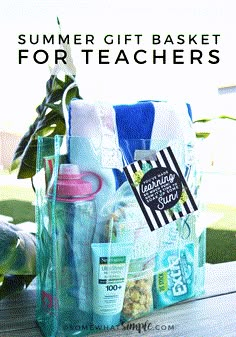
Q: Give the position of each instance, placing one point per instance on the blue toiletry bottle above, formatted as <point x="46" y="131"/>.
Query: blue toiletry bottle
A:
<point x="75" y="223"/>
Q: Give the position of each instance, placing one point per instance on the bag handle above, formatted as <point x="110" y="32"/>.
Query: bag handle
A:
<point x="64" y="107"/>
<point x="110" y="152"/>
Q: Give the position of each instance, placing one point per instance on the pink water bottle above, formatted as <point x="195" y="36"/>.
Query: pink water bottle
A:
<point x="75" y="212"/>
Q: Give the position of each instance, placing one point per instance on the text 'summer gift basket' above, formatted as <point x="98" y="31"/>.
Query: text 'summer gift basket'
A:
<point x="117" y="215"/>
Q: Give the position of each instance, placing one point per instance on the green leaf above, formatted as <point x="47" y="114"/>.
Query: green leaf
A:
<point x="15" y="164"/>
<point x="50" y="118"/>
<point x="49" y="122"/>
<point x="14" y="283"/>
<point x="25" y="140"/>
<point x="227" y="117"/>
<point x="17" y="251"/>
<point x="53" y="124"/>
<point x="202" y="134"/>
<point x="203" y="120"/>
<point x="55" y="107"/>
<point x="72" y="93"/>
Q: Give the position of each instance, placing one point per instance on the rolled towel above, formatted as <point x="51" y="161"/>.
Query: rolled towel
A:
<point x="93" y="145"/>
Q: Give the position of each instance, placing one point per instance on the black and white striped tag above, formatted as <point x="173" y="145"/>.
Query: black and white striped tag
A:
<point x="160" y="189"/>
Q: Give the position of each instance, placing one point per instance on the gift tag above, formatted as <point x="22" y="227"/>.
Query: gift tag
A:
<point x="160" y="189"/>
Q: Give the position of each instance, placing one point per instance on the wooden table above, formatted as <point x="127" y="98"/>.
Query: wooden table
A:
<point x="212" y="315"/>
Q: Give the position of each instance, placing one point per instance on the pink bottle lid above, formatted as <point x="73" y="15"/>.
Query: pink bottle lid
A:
<point x="71" y="187"/>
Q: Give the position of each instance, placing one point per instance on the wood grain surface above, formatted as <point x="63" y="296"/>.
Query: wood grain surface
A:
<point x="211" y="315"/>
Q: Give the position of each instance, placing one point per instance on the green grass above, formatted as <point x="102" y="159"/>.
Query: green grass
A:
<point x="16" y="202"/>
<point x="221" y="236"/>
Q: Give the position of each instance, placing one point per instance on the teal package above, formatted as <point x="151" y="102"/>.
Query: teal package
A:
<point x="174" y="276"/>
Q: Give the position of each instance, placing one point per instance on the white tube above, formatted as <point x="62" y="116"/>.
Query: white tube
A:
<point x="110" y="269"/>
